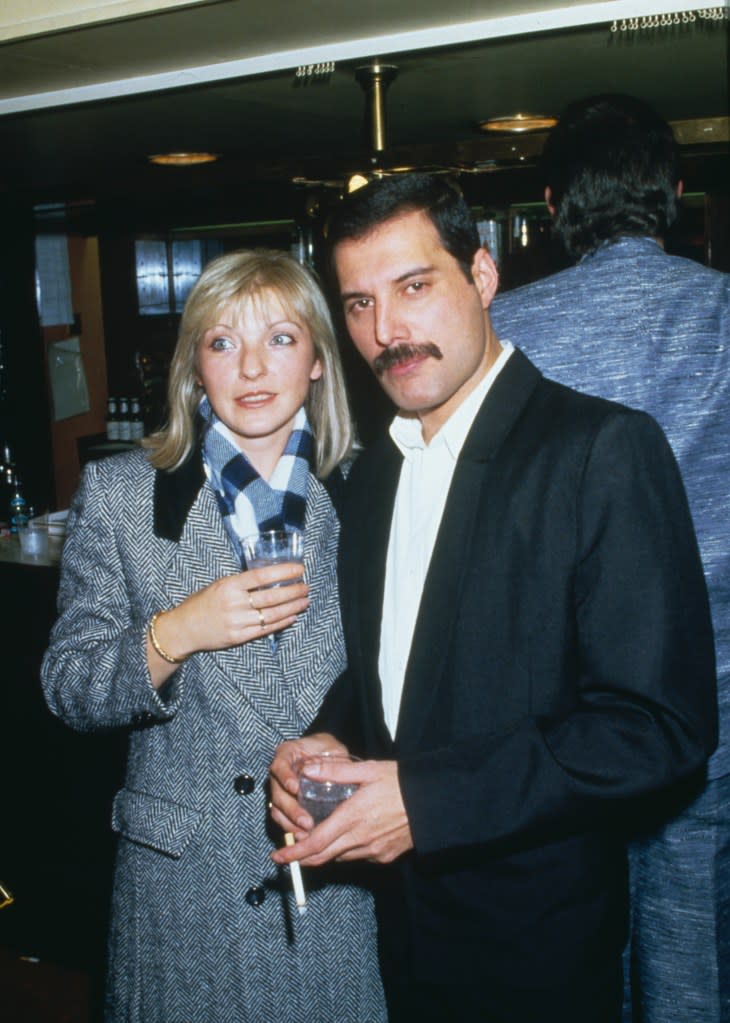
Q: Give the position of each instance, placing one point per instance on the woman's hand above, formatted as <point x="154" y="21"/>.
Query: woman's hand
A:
<point x="229" y="612"/>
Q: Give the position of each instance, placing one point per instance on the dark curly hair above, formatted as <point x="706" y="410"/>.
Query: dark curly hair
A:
<point x="612" y="165"/>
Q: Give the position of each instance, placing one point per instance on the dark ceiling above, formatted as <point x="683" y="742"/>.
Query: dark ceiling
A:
<point x="269" y="128"/>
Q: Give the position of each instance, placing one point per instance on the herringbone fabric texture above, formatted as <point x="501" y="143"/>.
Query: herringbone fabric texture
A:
<point x="204" y="926"/>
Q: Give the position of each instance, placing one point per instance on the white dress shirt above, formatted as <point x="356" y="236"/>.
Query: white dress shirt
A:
<point x="424" y="483"/>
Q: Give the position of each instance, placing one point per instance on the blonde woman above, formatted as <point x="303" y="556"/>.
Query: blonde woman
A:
<point x="163" y="631"/>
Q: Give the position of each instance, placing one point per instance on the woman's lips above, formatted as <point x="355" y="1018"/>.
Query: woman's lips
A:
<point x="256" y="399"/>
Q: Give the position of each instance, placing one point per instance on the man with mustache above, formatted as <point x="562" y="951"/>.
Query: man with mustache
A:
<point x="529" y="643"/>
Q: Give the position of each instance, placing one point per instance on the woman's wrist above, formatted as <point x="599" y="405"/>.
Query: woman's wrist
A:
<point x="162" y="648"/>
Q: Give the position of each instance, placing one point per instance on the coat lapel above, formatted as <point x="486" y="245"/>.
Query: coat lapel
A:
<point x="203" y="552"/>
<point x="457" y="543"/>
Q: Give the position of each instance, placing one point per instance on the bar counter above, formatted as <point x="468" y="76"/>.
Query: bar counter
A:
<point x="11" y="554"/>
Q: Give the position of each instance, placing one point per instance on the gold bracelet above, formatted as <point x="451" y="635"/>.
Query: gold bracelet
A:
<point x="156" y="643"/>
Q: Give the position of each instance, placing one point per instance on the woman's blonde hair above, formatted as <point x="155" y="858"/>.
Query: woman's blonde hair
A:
<point x="239" y="277"/>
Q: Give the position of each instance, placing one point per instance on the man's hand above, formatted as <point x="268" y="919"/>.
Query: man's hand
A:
<point x="285" y="809"/>
<point x="371" y="825"/>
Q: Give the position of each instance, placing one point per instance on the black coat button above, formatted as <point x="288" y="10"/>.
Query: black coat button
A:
<point x="255" y="896"/>
<point x="244" y="784"/>
<point x="143" y="719"/>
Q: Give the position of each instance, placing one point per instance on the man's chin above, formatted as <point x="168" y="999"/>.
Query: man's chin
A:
<point x="411" y="405"/>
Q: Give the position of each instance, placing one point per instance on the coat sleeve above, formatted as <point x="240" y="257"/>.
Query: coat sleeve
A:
<point x="641" y="707"/>
<point x="94" y="672"/>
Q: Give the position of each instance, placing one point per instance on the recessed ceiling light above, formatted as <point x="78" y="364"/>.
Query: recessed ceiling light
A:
<point x="519" y="122"/>
<point x="182" y="159"/>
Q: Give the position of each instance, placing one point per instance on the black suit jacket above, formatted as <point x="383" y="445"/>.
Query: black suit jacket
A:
<point x="562" y="665"/>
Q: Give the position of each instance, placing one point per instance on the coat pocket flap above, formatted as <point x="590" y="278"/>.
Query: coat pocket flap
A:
<point x="158" y="823"/>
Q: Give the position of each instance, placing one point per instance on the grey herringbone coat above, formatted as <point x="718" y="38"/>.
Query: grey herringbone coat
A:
<point x="203" y="927"/>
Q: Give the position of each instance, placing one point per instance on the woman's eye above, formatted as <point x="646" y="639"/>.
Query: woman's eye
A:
<point x="221" y="344"/>
<point x="282" y="339"/>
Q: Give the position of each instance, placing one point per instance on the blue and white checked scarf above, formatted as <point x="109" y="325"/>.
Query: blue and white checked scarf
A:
<point x="248" y="503"/>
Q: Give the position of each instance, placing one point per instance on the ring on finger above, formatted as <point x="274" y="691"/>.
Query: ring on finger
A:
<point x="250" y="601"/>
<point x="262" y="620"/>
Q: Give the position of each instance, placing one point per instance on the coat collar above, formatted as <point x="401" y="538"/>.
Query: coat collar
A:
<point x="626" y="246"/>
<point x="175" y="494"/>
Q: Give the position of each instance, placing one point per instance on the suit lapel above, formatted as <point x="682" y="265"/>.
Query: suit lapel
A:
<point x="457" y="543"/>
<point x="373" y="548"/>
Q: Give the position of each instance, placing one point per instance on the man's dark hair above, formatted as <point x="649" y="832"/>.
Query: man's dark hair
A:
<point x="438" y="197"/>
<point x="612" y="165"/>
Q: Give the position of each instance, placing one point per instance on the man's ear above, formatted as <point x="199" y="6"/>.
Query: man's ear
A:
<point x="549" y="200"/>
<point x="485" y="275"/>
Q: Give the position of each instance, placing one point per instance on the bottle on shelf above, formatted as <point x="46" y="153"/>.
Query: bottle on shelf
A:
<point x="137" y="424"/>
<point x="18" y="507"/>
<point x="125" y="423"/>
<point x="6" y="483"/>
<point x="8" y="465"/>
<point x="112" y="420"/>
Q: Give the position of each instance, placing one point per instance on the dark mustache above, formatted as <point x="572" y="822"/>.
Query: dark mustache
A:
<point x="402" y="353"/>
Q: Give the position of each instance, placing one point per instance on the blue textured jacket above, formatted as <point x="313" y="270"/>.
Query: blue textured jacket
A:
<point x="636" y="325"/>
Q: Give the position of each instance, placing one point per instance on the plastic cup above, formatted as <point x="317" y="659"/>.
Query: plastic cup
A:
<point x="318" y="796"/>
<point x="273" y="547"/>
<point x="33" y="540"/>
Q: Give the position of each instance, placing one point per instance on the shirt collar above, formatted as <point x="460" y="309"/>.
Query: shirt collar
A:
<point x="406" y="430"/>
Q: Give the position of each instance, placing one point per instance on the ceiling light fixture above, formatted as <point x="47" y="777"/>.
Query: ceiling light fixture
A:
<point x="182" y="159"/>
<point x="518" y="123"/>
<point x="357" y="181"/>
<point x="374" y="79"/>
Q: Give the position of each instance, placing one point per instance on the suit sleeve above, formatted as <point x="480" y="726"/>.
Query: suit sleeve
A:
<point x="641" y="710"/>
<point x="94" y="673"/>
<point x="339" y="715"/>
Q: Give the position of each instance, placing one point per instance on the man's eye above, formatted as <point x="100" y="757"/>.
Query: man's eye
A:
<point x="416" y="286"/>
<point x="358" y="305"/>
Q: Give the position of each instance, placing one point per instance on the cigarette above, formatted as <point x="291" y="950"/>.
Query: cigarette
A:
<point x="296" y="878"/>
